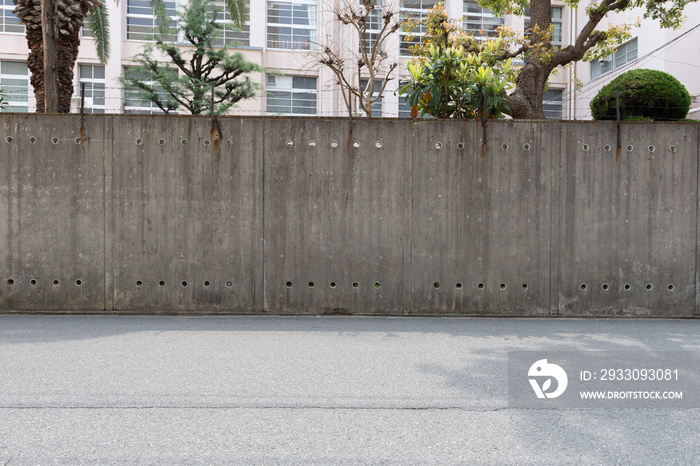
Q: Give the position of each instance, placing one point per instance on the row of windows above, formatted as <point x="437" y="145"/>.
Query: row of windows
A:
<point x="292" y="24"/>
<point x="286" y="95"/>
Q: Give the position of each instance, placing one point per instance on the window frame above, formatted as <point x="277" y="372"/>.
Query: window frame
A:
<point x="484" y="17"/>
<point x="300" y="94"/>
<point x="613" y="61"/>
<point x="297" y="39"/>
<point x="148" y="36"/>
<point x="413" y="13"/>
<point x="20" y="104"/>
<point x="6" y="7"/>
<point x="92" y="84"/>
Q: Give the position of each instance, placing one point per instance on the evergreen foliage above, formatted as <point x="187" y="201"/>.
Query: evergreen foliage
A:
<point x="201" y="66"/>
<point x="643" y="93"/>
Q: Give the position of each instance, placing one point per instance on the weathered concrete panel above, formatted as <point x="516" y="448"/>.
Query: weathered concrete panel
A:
<point x="482" y="218"/>
<point x="52" y="214"/>
<point x="334" y="216"/>
<point x="187" y="215"/>
<point x="628" y="226"/>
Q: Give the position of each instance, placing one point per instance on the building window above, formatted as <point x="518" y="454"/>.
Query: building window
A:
<point x="624" y="54"/>
<point x="553" y="104"/>
<point x="377" y="105"/>
<point x="141" y="22"/>
<point x="480" y="22"/>
<point x="557" y="24"/>
<point x="14" y="81"/>
<point x="134" y="101"/>
<point x="414" y="10"/>
<point x="291" y="24"/>
<point x="373" y="28"/>
<point x="8" y="21"/>
<point x="93" y="77"/>
<point x="291" y="95"/>
<point x="230" y="35"/>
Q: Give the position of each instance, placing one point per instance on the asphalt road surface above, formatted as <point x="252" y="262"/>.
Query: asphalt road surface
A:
<point x="316" y="390"/>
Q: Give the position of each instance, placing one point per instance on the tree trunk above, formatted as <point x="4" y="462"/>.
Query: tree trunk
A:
<point x="69" y="21"/>
<point x="49" y="39"/>
<point x="526" y="101"/>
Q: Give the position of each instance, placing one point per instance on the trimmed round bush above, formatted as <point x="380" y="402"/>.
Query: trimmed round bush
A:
<point x="643" y="93"/>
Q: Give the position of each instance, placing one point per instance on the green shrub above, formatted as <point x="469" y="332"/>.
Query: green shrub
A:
<point x="643" y="93"/>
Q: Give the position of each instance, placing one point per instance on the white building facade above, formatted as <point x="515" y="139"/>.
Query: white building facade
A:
<point x="281" y="36"/>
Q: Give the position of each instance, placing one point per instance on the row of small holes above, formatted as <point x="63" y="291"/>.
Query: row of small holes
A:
<point x="627" y="287"/>
<point x="184" y="283"/>
<point x="33" y="282"/>
<point x="334" y="284"/>
<point x="356" y="144"/>
<point x="436" y="285"/>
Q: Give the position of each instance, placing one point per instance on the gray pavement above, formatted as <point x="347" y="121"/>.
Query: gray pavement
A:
<point x="316" y="390"/>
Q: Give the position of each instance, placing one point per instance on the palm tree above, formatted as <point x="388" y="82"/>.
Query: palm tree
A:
<point x="70" y="16"/>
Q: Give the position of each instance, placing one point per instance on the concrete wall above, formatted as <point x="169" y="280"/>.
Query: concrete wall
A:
<point x="157" y="215"/>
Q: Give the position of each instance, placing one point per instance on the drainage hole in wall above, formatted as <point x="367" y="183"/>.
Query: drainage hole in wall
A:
<point x="649" y="287"/>
<point x="460" y="145"/>
<point x="333" y="285"/>
<point x="139" y="141"/>
<point x="630" y="147"/>
<point x="607" y="147"/>
<point x="184" y="283"/>
<point x="585" y="147"/>
<point x="207" y="283"/>
<point x="504" y="146"/>
<point x="78" y="282"/>
<point x="229" y="142"/>
<point x="10" y="282"/>
<point x="54" y="140"/>
<point x="183" y="142"/>
<point x="605" y="287"/>
<point x="311" y="284"/>
<point x="480" y="286"/>
<point x="161" y="141"/>
<point x="436" y="285"/>
<point x="139" y="283"/>
<point x="32" y="282"/>
<point x="334" y="143"/>
<point x="355" y="284"/>
<point x="77" y="140"/>
<point x="526" y="146"/>
<point x="206" y="142"/>
<point x="482" y="146"/>
<point x="230" y="284"/>
<point x="459" y="286"/>
<point x="670" y="287"/>
<point x="583" y="286"/>
<point x="290" y="143"/>
<point x="377" y="285"/>
<point x="524" y="286"/>
<point x="8" y="139"/>
<point x="672" y="149"/>
<point x="652" y="148"/>
<point x="438" y="145"/>
<point x="356" y="144"/>
<point x="628" y="287"/>
<point x="379" y="144"/>
<point x="312" y="143"/>
<point x="32" y="140"/>
<point x="161" y="283"/>
<point x="288" y="284"/>
<point x="503" y="286"/>
<point x="55" y="283"/>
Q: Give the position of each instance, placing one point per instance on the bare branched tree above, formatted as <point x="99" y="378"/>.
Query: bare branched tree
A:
<point x="362" y="71"/>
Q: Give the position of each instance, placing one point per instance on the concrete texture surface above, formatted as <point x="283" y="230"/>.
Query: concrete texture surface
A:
<point x="153" y="214"/>
<point x="316" y="390"/>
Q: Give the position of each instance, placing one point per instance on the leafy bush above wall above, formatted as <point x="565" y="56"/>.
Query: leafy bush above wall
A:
<point x="643" y="93"/>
